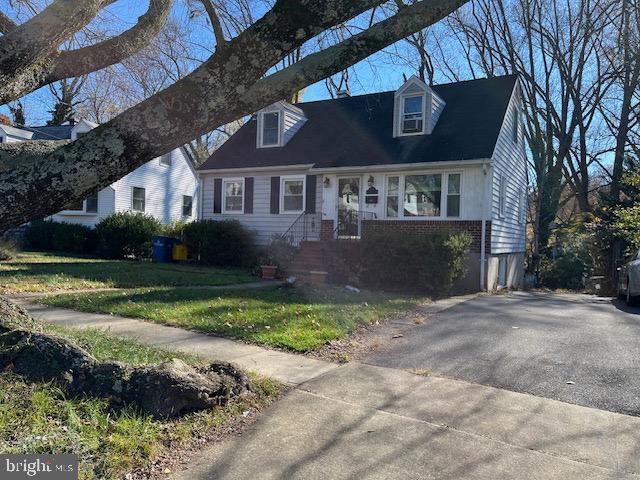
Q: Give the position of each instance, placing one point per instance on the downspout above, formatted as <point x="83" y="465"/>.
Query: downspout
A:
<point x="483" y="239"/>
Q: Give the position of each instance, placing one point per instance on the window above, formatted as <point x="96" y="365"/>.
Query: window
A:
<point x="393" y="194"/>
<point x="91" y="204"/>
<point x="270" y="129"/>
<point x="165" y="160"/>
<point x="422" y="195"/>
<point x="187" y="205"/>
<point x="453" y="195"/>
<point x="516" y="125"/>
<point x="412" y="114"/>
<point x="138" y="199"/>
<point x="233" y="195"/>
<point x="292" y="199"/>
<point x="503" y="196"/>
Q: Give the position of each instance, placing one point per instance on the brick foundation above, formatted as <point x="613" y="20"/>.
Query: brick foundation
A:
<point x="326" y="230"/>
<point x="426" y="226"/>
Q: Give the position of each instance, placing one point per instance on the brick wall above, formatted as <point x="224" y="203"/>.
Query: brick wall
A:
<point x="326" y="230"/>
<point x="426" y="226"/>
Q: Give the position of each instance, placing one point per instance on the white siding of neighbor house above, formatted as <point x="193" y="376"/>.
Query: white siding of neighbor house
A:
<point x="164" y="185"/>
<point x="508" y="233"/>
<point x="472" y="188"/>
<point x="106" y="203"/>
<point x="264" y="224"/>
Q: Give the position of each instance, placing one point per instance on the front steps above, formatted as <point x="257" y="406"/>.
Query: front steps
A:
<point x="308" y="265"/>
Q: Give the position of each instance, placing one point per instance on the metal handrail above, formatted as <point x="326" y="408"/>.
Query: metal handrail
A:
<point x="306" y="225"/>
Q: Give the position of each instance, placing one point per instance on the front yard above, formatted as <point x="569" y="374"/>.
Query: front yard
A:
<point x="300" y="318"/>
<point x="45" y="272"/>
<point x="39" y="418"/>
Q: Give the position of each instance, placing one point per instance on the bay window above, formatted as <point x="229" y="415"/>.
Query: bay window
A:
<point x="233" y="195"/>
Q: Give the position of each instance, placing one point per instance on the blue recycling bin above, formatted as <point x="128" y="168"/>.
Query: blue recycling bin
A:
<point x="163" y="248"/>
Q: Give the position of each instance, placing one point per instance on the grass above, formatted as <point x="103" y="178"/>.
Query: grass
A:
<point x="300" y="319"/>
<point x="39" y="418"/>
<point x="44" y="272"/>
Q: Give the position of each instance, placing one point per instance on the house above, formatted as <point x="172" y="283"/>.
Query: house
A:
<point x="165" y="188"/>
<point x="418" y="159"/>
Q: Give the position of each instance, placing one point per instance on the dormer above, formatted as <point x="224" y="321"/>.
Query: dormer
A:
<point x="277" y="124"/>
<point x="416" y="109"/>
<point x="82" y="127"/>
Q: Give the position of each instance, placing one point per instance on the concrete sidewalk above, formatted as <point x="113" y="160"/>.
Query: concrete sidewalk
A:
<point x="366" y="422"/>
<point x="285" y="367"/>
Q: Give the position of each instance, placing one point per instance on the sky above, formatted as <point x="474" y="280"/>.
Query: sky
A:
<point x="372" y="75"/>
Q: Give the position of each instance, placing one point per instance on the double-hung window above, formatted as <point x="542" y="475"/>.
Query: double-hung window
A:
<point x="422" y="195"/>
<point x="138" y="199"/>
<point x="453" y="195"/>
<point x="187" y="205"/>
<point x="165" y="160"/>
<point x="233" y="195"/>
<point x="292" y="198"/>
<point x="91" y="204"/>
<point x="393" y="195"/>
<point x="413" y="114"/>
<point x="270" y="129"/>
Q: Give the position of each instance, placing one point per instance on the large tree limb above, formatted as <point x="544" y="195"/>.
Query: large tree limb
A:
<point x="218" y="92"/>
<point x="6" y="24"/>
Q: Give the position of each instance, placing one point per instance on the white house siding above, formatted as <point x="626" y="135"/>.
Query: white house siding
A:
<point x="106" y="205"/>
<point x="164" y="185"/>
<point x="508" y="232"/>
<point x="473" y="179"/>
<point x="437" y="107"/>
<point x="292" y="123"/>
<point x="262" y="222"/>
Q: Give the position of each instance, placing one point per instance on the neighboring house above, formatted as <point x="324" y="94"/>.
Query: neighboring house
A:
<point x="165" y="188"/>
<point x="418" y="159"/>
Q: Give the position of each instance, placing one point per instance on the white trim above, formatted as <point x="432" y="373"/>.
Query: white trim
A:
<point x="192" y="205"/>
<point x="284" y="178"/>
<point x="222" y="171"/>
<point x="224" y="210"/>
<point x="401" y="166"/>
<point x="144" y="209"/>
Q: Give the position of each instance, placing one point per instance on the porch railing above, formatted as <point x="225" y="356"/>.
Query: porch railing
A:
<point x="306" y="227"/>
<point x="350" y="223"/>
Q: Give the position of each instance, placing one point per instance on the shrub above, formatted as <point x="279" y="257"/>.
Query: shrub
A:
<point x="174" y="229"/>
<point x="60" y="237"/>
<point x="7" y="251"/>
<point x="279" y="252"/>
<point x="127" y="234"/>
<point x="573" y="264"/>
<point x="427" y="263"/>
<point x="221" y="243"/>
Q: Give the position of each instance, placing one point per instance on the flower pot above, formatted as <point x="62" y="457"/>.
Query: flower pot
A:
<point x="269" y="271"/>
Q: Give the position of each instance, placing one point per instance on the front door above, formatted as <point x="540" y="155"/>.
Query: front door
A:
<point x="348" y="207"/>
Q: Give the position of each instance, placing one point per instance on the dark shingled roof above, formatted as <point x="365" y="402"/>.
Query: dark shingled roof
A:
<point x="51" y="132"/>
<point x="358" y="131"/>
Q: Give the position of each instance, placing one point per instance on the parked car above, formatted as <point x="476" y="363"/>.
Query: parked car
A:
<point x="629" y="281"/>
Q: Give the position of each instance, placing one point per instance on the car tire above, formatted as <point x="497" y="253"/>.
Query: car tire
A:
<point x="632" y="300"/>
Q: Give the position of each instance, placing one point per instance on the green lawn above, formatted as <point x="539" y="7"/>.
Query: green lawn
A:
<point x="38" y="418"/>
<point x="300" y="319"/>
<point x="43" y="272"/>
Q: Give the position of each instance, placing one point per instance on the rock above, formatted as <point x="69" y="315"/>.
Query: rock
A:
<point x="170" y="389"/>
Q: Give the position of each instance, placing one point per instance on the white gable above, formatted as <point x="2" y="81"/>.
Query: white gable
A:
<point x="83" y="126"/>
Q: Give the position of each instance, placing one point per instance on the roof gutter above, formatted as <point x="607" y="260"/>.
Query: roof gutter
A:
<point x="402" y="166"/>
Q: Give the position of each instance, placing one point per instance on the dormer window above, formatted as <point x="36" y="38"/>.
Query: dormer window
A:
<point x="270" y="129"/>
<point x="413" y="114"/>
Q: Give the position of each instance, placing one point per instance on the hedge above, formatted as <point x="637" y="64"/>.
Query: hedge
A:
<point x="60" y="237"/>
<point x="429" y="263"/>
<point x="127" y="234"/>
<point x="219" y="243"/>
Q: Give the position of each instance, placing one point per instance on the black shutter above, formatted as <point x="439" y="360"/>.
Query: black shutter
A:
<point x="311" y="194"/>
<point x="275" y="195"/>
<point x="248" y="195"/>
<point x="217" y="195"/>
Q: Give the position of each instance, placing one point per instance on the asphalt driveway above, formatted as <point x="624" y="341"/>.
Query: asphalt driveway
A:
<point x="574" y="348"/>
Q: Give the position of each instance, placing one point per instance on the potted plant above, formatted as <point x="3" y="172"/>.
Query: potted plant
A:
<point x="268" y="266"/>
